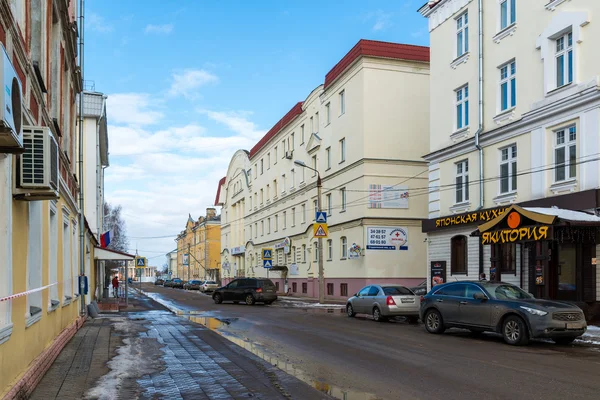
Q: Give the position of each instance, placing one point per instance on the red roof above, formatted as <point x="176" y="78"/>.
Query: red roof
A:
<point x="283" y="122"/>
<point x="221" y="183"/>
<point x="372" y="48"/>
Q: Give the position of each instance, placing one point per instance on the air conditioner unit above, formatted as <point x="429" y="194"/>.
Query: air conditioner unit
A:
<point x="289" y="154"/>
<point x="37" y="168"/>
<point x="11" y="117"/>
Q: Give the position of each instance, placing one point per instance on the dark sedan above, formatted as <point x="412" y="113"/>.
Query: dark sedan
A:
<point x="503" y="308"/>
<point x="168" y="283"/>
<point x="177" y="283"/>
<point x="159" y="282"/>
<point x="192" y="285"/>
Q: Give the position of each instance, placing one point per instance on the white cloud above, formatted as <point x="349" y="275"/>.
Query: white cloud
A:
<point x="382" y="20"/>
<point x="237" y="121"/>
<point x="97" y="23"/>
<point x="133" y="109"/>
<point x="159" y="29"/>
<point x="188" y="82"/>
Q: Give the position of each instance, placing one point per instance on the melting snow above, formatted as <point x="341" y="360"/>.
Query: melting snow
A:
<point x="565" y="214"/>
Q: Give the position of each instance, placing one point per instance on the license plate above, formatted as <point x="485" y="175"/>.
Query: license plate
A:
<point x="408" y="300"/>
<point x="574" y="325"/>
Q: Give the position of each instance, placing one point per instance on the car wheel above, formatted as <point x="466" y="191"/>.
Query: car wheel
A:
<point x="249" y="299"/>
<point x="564" y="340"/>
<point x="434" y="322"/>
<point x="218" y="298"/>
<point x="514" y="331"/>
<point x="350" y="311"/>
<point x="377" y="317"/>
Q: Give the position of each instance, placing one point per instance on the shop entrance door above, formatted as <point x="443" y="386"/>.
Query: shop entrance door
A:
<point x="564" y="277"/>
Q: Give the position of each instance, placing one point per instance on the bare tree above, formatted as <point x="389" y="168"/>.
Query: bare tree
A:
<point x="113" y="220"/>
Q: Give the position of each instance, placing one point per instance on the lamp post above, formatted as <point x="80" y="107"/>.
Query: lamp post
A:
<point x="320" y="243"/>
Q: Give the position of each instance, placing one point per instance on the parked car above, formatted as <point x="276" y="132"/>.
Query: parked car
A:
<point x="168" y="283"/>
<point x="385" y="301"/>
<point x="249" y="290"/>
<point x="503" y="308"/>
<point x="421" y="289"/>
<point x="177" y="283"/>
<point x="209" y="286"/>
<point x="159" y="282"/>
<point x="192" y="285"/>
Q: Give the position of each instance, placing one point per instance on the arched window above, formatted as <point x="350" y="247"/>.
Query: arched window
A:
<point x="459" y="260"/>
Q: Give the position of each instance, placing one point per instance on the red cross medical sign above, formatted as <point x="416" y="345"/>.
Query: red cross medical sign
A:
<point x="387" y="238"/>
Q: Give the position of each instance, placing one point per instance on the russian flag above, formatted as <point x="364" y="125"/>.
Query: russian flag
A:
<point x="105" y="239"/>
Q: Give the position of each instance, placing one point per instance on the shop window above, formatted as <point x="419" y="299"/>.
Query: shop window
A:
<point x="458" y="262"/>
<point x="330" y="289"/>
<point x="304" y="287"/>
<point x="509" y="258"/>
<point x="294" y="287"/>
<point x="343" y="289"/>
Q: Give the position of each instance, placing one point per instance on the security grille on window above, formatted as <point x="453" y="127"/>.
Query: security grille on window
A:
<point x="462" y="181"/>
<point x="462" y="107"/>
<point x="508" y="86"/>
<point x="508" y="169"/>
<point x="462" y="34"/>
<point x="564" y="60"/>
<point x="508" y="13"/>
<point x="565" y="154"/>
<point x="458" y="262"/>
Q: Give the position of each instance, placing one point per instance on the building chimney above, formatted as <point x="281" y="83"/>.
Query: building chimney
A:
<point x="211" y="213"/>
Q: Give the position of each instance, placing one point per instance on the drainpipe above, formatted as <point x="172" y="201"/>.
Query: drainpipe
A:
<point x="480" y="117"/>
<point x="82" y="254"/>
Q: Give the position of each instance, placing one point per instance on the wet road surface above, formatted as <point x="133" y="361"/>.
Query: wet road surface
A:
<point x="360" y="359"/>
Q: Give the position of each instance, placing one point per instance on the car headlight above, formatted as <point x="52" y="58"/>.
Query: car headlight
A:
<point x="534" y="311"/>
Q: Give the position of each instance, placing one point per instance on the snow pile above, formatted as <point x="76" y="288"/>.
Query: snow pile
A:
<point x="565" y="214"/>
<point x="591" y="336"/>
<point x="303" y="304"/>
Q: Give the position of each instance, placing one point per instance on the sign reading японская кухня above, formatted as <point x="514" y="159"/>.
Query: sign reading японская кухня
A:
<point x="469" y="218"/>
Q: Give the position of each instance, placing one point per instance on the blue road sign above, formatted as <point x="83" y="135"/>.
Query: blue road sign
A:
<point x="267" y="254"/>
<point x="268" y="264"/>
<point x="321" y="217"/>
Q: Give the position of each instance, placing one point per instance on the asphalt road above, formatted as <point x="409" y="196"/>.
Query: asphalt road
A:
<point x="357" y="358"/>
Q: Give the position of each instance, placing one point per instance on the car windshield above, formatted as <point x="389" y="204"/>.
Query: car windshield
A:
<point x="507" y="292"/>
<point x="397" y="291"/>
<point x="211" y="282"/>
<point x="266" y="283"/>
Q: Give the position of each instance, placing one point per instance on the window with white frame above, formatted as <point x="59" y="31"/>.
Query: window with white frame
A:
<point x="316" y="122"/>
<point x="67" y="272"/>
<point x="508" y="13"/>
<point x="292" y="142"/>
<point x="312" y="125"/>
<point x="34" y="261"/>
<point x="565" y="154"/>
<point x="293" y="217"/>
<point x="276" y="222"/>
<point x="343" y="198"/>
<point x="284" y="219"/>
<point x="268" y="193"/>
<point x="262" y="228"/>
<point x="303" y="210"/>
<point x="262" y="197"/>
<point x="315" y="207"/>
<point x="329" y="250"/>
<point x="284" y="148"/>
<point x="342" y="150"/>
<point x="508" y="86"/>
<point x="328" y="155"/>
<point x="302" y="134"/>
<point x="508" y="169"/>
<point x="255" y="171"/>
<point x="275" y="187"/>
<point x="314" y="165"/>
<point x="261" y="166"/>
<point x="328" y="204"/>
<point x="250" y="231"/>
<point x="268" y="161"/>
<point x="327" y="113"/>
<point x="462" y="181"/>
<point x="303" y="253"/>
<point x="75" y="262"/>
<point x="316" y="251"/>
<point x="268" y="226"/>
<point x="344" y="246"/>
<point x="6" y="245"/>
<point x="342" y="102"/>
<point x="564" y="59"/>
<point x="293" y="177"/>
<point x="282" y="183"/>
<point x="275" y="158"/>
<point x="294" y="255"/>
<point x="53" y="299"/>
<point x="462" y="34"/>
<point x="250" y="198"/>
<point x="255" y="230"/>
<point x="302" y="175"/>
<point x="462" y="107"/>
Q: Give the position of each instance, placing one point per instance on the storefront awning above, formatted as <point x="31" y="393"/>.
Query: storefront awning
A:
<point x="112" y="255"/>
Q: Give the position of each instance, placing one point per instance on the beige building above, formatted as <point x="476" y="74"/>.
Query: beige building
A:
<point x="363" y="131"/>
<point x="515" y="119"/>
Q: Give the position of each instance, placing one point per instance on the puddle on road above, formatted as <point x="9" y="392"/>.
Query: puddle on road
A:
<point x="216" y="324"/>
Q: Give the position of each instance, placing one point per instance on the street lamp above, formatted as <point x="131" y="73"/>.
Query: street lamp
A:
<point x="320" y="245"/>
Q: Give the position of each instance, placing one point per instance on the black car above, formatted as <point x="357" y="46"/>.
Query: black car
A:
<point x="420" y="290"/>
<point x="192" y="285"/>
<point x="177" y="283"/>
<point x="159" y="282"/>
<point x="249" y="290"/>
<point x="482" y="306"/>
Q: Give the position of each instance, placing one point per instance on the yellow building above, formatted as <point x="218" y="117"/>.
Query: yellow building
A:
<point x="202" y="241"/>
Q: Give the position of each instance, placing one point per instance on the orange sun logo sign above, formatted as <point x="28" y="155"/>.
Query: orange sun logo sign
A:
<point x="513" y="220"/>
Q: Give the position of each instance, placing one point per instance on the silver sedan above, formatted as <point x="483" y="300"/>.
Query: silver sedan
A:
<point x="385" y="301"/>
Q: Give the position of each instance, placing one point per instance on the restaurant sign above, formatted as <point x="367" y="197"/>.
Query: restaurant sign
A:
<point x="523" y="234"/>
<point x="238" y="250"/>
<point x="517" y="225"/>
<point x="469" y="218"/>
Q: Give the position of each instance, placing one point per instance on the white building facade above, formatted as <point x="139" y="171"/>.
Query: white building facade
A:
<point x="364" y="131"/>
<point x="515" y="102"/>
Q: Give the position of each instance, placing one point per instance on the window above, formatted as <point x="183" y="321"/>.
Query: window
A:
<point x="274" y="187"/>
<point x="330" y="289"/>
<point x="343" y="198"/>
<point x="344" y="289"/>
<point x="316" y="207"/>
<point x="508" y="13"/>
<point x="277" y="286"/>
<point x="303" y="209"/>
<point x="262" y="197"/>
<point x="329" y="249"/>
<point x="329" y="205"/>
<point x="276" y="222"/>
<point x="344" y="247"/>
<point x="67" y="272"/>
<point x="508" y="169"/>
<point x="255" y="230"/>
<point x="261" y="166"/>
<point x="268" y="192"/>
<point x="283" y="184"/>
<point x="284" y="148"/>
<point x="303" y="253"/>
<point x="458" y="262"/>
<point x="34" y="262"/>
<point x="293" y="176"/>
<point x="342" y="150"/>
<point x="565" y="158"/>
<point x="294" y="253"/>
<point x="509" y="254"/>
<point x="284" y="219"/>
<point x="564" y="60"/>
<point x="250" y="231"/>
<point x="462" y="34"/>
<point x="262" y="228"/>
<point x="301" y="134"/>
<point x="275" y="159"/>
<point x="255" y="171"/>
<point x="342" y="102"/>
<point x="328" y="154"/>
<point x="255" y="200"/>
<point x="304" y="287"/>
<point x="312" y="125"/>
<point x="316" y="122"/>
<point x="462" y="107"/>
<point x="250" y="202"/>
<point x="314" y="165"/>
<point x="508" y="86"/>
<point x="462" y="181"/>
<point x="302" y="175"/>
<point x="293" y="217"/>
<point x="292" y="142"/>
<point x="327" y="113"/>
<point x="53" y="299"/>
<point x="268" y="161"/>
<point x="316" y="251"/>
<point x="294" y="287"/>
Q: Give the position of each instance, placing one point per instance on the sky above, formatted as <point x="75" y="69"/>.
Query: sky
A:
<point x="189" y="82"/>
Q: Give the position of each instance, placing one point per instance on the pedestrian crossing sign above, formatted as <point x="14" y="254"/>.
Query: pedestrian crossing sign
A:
<point x="320" y="230"/>
<point x="321" y="217"/>
<point x="268" y="264"/>
<point x="140" y="262"/>
<point x="267" y="254"/>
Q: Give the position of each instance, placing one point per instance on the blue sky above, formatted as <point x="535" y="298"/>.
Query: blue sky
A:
<point x="189" y="82"/>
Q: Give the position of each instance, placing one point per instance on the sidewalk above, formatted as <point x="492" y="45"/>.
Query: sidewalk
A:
<point x="151" y="353"/>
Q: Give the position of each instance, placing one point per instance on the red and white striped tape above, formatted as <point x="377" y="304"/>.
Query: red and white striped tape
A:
<point x="14" y="296"/>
